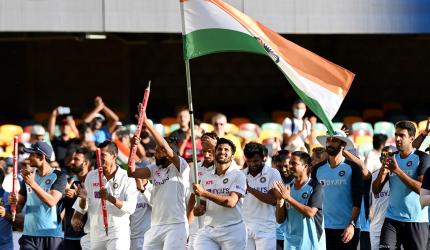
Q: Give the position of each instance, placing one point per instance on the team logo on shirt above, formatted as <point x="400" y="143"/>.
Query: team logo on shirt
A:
<point x="225" y="181"/>
<point x="341" y="173"/>
<point x="409" y="163"/>
<point x="263" y="179"/>
<point x="48" y="181"/>
<point x="115" y="185"/>
<point x="305" y="195"/>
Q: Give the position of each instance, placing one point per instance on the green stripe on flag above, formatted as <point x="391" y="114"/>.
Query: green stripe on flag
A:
<point x="208" y="41"/>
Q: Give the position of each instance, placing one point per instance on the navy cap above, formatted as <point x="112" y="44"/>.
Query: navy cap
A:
<point x="9" y="161"/>
<point x="40" y="148"/>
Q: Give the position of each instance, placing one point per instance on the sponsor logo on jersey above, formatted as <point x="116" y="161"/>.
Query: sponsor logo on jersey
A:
<point x="142" y="205"/>
<point x="160" y="182"/>
<point x="97" y="194"/>
<point x="381" y="194"/>
<point x="219" y="190"/>
<point x="209" y="182"/>
<point x="333" y="182"/>
<point x="96" y="184"/>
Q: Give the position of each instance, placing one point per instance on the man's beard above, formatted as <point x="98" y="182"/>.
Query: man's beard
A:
<point x="77" y="169"/>
<point x="163" y="161"/>
<point x="332" y="151"/>
<point x="223" y="161"/>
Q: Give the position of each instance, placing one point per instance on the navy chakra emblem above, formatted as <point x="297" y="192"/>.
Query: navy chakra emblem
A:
<point x="305" y="195"/>
<point x="409" y="163"/>
<point x="48" y="181"/>
<point x="115" y="185"/>
<point x="342" y="173"/>
<point x="263" y="179"/>
<point x="225" y="181"/>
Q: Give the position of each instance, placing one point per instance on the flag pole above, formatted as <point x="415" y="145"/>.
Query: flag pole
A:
<point x="191" y="109"/>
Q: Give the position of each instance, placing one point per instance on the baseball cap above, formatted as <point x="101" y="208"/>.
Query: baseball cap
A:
<point x="37" y="130"/>
<point x="9" y="161"/>
<point x="99" y="116"/>
<point x="40" y="148"/>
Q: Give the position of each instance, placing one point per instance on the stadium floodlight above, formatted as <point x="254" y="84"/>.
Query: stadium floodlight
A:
<point x="95" y="36"/>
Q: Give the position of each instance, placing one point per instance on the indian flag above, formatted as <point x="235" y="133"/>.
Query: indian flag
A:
<point x="123" y="153"/>
<point x="211" y="26"/>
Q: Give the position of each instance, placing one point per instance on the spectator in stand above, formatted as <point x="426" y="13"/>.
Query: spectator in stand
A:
<point x="298" y="129"/>
<point x="37" y="133"/>
<point x="219" y="122"/>
<point x="420" y="139"/>
<point x="8" y="179"/>
<point x="406" y="221"/>
<point x="101" y="133"/>
<point x="183" y="119"/>
<point x="186" y="147"/>
<point x="379" y="202"/>
<point x="61" y="143"/>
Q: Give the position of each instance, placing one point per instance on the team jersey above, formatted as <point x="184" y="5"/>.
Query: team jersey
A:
<point x="121" y="187"/>
<point x="69" y="232"/>
<point x="41" y="220"/>
<point x="169" y="193"/>
<point x="6" y="238"/>
<point x="232" y="181"/>
<point x="379" y="204"/>
<point x="404" y="203"/>
<point x="140" y="220"/>
<point x="280" y="228"/>
<point x="343" y="190"/>
<point x="303" y="232"/>
<point x="260" y="216"/>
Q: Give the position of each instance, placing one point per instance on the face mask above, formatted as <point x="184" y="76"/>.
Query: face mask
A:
<point x="299" y="113"/>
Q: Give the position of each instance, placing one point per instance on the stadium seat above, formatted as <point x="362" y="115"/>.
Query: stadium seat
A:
<point x="337" y="125"/>
<point x="41" y="117"/>
<point x="373" y="115"/>
<point x="364" y="148"/>
<point x="250" y="127"/>
<point x="362" y="128"/>
<point x="207" y="116"/>
<point x="269" y="134"/>
<point x="7" y="132"/>
<point x="391" y="106"/>
<point x="239" y="120"/>
<point x="422" y="125"/>
<point x="231" y="128"/>
<point x="248" y="135"/>
<point x="174" y="127"/>
<point x="206" y="127"/>
<point x="160" y="129"/>
<point x="361" y="139"/>
<point x="352" y="119"/>
<point x="386" y="128"/>
<point x="279" y="116"/>
<point x="320" y="129"/>
<point x="272" y="126"/>
<point x="167" y="121"/>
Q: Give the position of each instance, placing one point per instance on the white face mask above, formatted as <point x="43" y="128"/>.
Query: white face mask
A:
<point x="299" y="113"/>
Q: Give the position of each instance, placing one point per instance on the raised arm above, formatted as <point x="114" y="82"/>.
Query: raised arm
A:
<point x="364" y="171"/>
<point x="143" y="173"/>
<point x="159" y="140"/>
<point x="51" y="123"/>
<point x="99" y="105"/>
<point x="420" y="139"/>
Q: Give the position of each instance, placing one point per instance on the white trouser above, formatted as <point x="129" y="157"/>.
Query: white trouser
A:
<point x="258" y="240"/>
<point x="374" y="242"/>
<point x="86" y="242"/>
<point x="226" y="238"/>
<point x="171" y="236"/>
<point x="111" y="244"/>
<point x="137" y="243"/>
<point x="194" y="228"/>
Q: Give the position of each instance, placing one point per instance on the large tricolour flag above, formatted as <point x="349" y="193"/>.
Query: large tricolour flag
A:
<point x="211" y="26"/>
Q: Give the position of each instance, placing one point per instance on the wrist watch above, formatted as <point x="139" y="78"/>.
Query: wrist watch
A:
<point x="352" y="222"/>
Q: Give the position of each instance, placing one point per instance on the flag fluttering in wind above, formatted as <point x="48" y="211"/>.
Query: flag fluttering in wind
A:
<point x="212" y="26"/>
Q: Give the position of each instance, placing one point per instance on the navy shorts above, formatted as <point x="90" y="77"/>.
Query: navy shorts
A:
<point x="40" y="243"/>
<point x="411" y="235"/>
